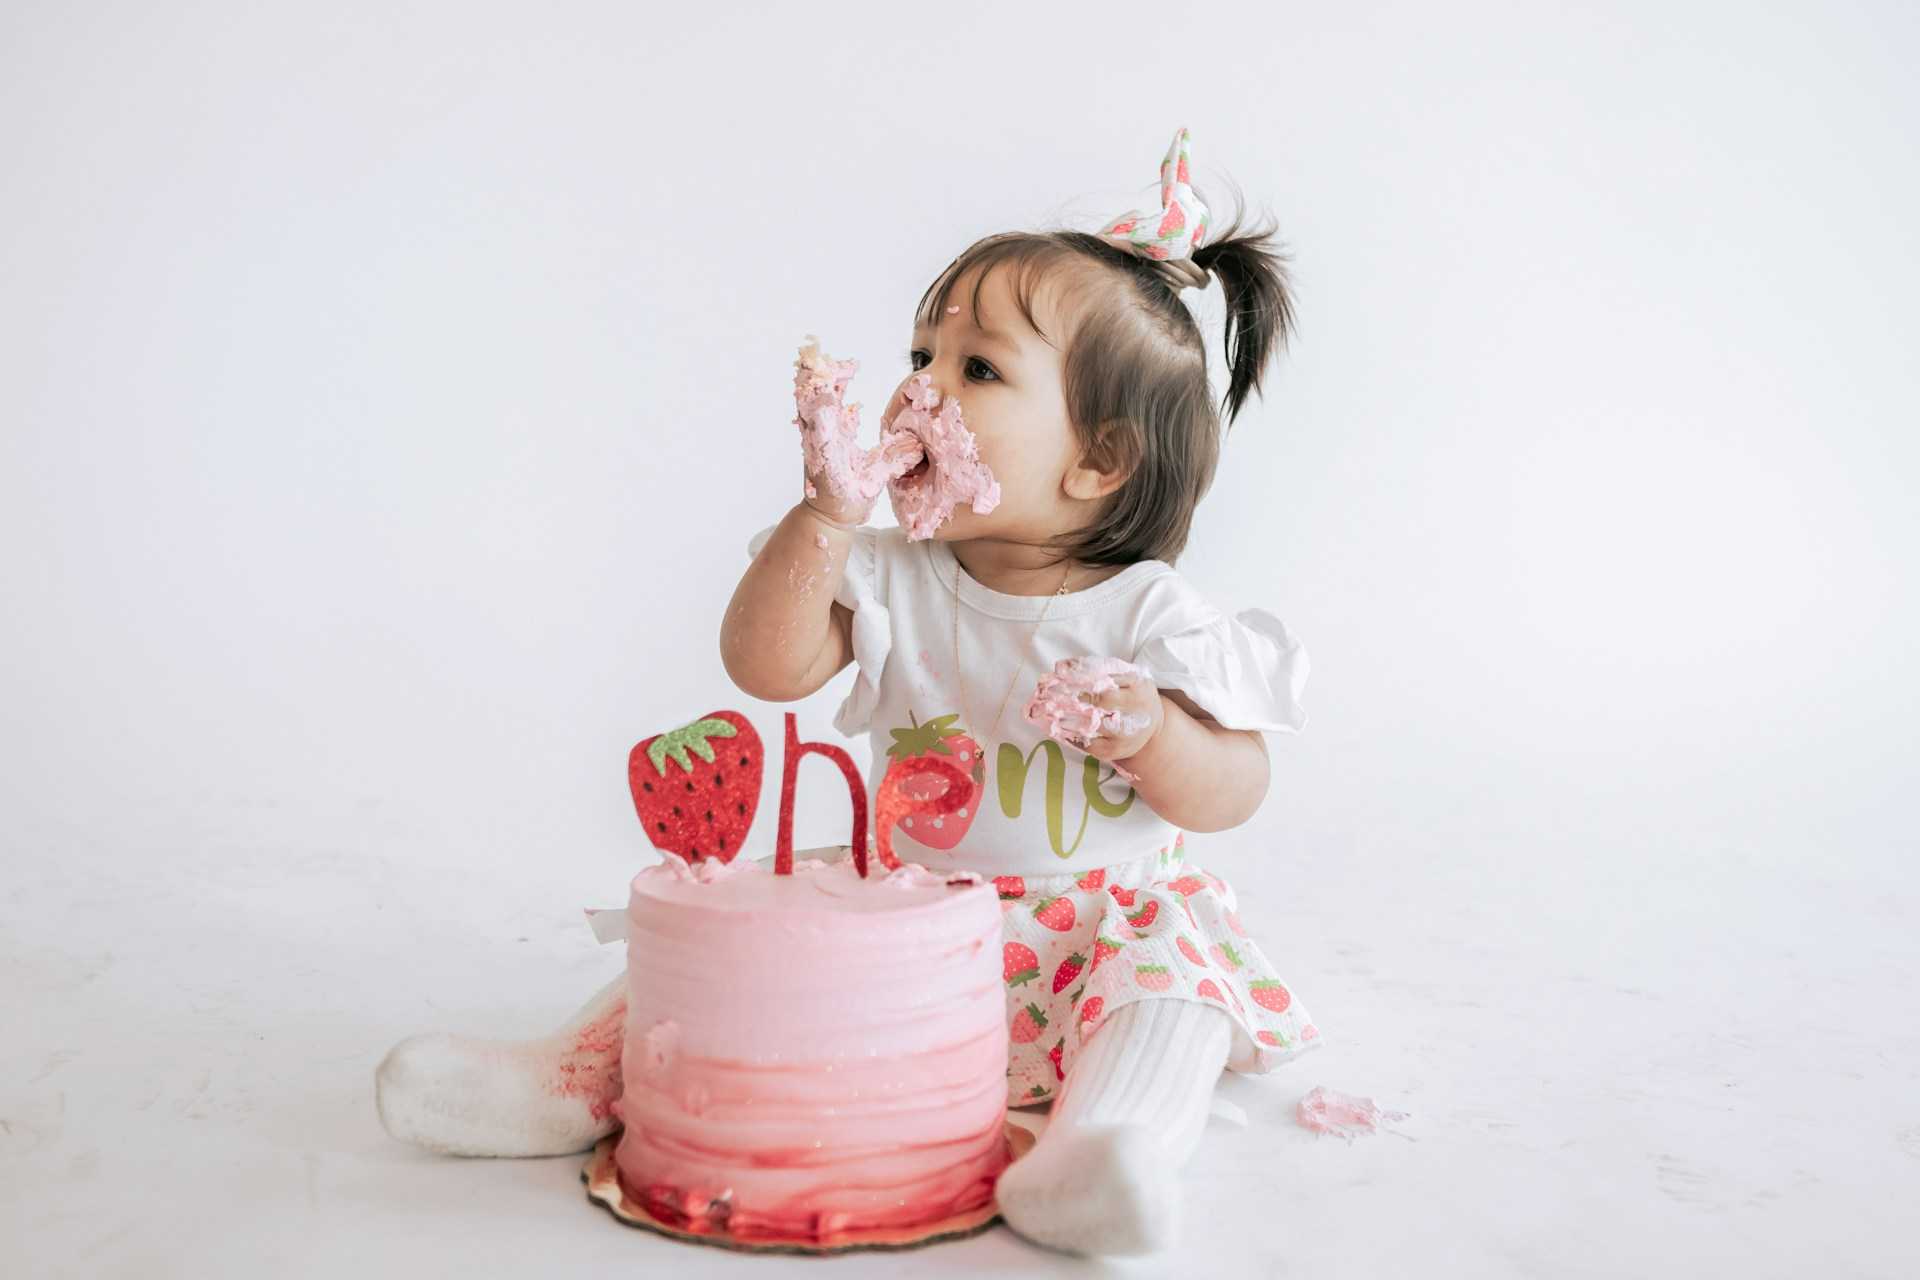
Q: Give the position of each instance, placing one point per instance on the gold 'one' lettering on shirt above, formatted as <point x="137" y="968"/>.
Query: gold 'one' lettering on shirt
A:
<point x="1010" y="779"/>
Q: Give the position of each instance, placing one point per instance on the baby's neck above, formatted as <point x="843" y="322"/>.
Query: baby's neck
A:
<point x="1016" y="569"/>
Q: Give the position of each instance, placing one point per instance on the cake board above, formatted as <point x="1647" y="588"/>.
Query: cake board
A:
<point x="602" y="1178"/>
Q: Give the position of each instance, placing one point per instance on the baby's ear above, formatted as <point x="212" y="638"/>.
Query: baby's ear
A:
<point x="1106" y="463"/>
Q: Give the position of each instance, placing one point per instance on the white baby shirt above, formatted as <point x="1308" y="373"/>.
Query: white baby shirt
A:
<point x="1045" y="807"/>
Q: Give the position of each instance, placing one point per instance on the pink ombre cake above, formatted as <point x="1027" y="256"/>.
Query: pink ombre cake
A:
<point x="814" y="1053"/>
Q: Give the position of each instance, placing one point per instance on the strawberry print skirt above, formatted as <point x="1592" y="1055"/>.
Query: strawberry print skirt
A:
<point x="1079" y="946"/>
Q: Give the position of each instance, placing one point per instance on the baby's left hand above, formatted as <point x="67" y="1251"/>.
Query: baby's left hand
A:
<point x="1126" y="716"/>
<point x="1138" y="701"/>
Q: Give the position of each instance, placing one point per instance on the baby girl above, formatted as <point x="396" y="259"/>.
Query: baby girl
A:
<point x="1044" y="456"/>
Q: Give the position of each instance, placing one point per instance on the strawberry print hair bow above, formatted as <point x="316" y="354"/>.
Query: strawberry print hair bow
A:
<point x="1170" y="234"/>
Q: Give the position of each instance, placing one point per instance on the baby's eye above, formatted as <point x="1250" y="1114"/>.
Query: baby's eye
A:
<point x="974" y="364"/>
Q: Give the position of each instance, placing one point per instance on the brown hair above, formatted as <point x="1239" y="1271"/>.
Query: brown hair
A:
<point x="1135" y="367"/>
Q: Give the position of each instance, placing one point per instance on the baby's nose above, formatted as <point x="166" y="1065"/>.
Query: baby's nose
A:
<point x="905" y="394"/>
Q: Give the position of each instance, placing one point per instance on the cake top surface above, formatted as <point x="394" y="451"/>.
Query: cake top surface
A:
<point x="746" y="884"/>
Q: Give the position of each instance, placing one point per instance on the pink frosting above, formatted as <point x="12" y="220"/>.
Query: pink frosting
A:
<point x="1342" y="1114"/>
<point x="812" y="1053"/>
<point x="830" y="432"/>
<point x="924" y="502"/>
<point x="1059" y="707"/>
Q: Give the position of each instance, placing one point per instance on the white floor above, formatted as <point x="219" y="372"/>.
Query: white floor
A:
<point x="1598" y="1085"/>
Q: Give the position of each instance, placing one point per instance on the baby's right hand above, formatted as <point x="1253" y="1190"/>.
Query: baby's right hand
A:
<point x="842" y="481"/>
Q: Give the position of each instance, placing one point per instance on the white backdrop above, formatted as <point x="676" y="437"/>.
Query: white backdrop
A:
<point x="387" y="398"/>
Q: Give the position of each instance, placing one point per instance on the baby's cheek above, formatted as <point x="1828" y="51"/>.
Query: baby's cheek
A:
<point x="1013" y="464"/>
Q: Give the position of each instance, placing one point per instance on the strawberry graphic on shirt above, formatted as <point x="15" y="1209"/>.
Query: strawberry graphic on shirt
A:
<point x="1090" y="1013"/>
<point x="695" y="787"/>
<point x="1209" y="990"/>
<point x="1027" y="1025"/>
<point x="938" y="737"/>
<point x="1094" y="879"/>
<point x="1020" y="963"/>
<point x="1102" y="949"/>
<point x="1010" y="887"/>
<point x="1053" y="1056"/>
<point x="1186" y="886"/>
<point x="1145" y="916"/>
<point x="925" y="789"/>
<point x="1226" y="957"/>
<point x="1233" y="922"/>
<point x="1191" y="952"/>
<point x="1122" y="896"/>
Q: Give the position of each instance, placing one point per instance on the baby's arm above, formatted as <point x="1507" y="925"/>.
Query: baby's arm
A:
<point x="784" y="635"/>
<point x="1186" y="766"/>
<point x="1197" y="774"/>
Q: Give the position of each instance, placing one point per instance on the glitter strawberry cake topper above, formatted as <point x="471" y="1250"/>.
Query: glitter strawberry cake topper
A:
<point x="695" y="789"/>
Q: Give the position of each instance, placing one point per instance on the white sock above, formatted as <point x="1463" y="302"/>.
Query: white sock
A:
<point x="1104" y="1177"/>
<point x="471" y="1097"/>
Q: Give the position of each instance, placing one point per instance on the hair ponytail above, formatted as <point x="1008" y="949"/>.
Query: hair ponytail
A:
<point x="1253" y="275"/>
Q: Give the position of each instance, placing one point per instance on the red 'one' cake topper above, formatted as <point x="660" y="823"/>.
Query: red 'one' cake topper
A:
<point x="898" y="797"/>
<point x="789" y="777"/>
<point x="696" y="788"/>
<point x="895" y="800"/>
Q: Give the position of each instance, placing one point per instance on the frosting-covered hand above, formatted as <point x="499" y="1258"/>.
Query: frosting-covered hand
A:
<point x="1106" y="707"/>
<point x="842" y="479"/>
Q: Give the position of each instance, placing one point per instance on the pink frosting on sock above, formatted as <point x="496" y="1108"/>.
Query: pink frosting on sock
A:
<point x="589" y="1065"/>
<point x="924" y="502"/>
<point x="830" y="432"/>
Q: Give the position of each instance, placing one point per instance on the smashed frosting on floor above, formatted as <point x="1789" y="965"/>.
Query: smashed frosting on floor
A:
<point x="1342" y="1114"/>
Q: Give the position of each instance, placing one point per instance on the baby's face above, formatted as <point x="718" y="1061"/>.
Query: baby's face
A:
<point x="1007" y="381"/>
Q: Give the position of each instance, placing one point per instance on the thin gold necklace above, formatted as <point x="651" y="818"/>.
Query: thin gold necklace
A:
<point x="960" y="679"/>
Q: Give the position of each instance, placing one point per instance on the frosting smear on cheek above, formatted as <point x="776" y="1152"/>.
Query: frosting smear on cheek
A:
<point x="955" y="474"/>
<point x="830" y="432"/>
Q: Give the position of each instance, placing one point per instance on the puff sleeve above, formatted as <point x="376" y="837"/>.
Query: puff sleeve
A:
<point x="1247" y="671"/>
<point x="860" y="591"/>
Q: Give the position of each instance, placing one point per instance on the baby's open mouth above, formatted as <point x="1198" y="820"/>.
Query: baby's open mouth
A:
<point x="936" y="466"/>
<point x="904" y="447"/>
